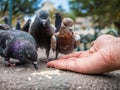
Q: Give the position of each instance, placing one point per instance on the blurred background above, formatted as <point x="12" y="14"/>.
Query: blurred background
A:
<point x="91" y="17"/>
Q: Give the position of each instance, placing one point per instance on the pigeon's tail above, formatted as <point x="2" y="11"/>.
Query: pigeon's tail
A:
<point x="35" y="65"/>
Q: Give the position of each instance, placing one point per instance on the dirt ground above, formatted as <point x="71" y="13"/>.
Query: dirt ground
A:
<point x="27" y="78"/>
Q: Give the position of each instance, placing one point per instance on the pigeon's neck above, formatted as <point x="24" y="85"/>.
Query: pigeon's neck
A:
<point x="65" y="33"/>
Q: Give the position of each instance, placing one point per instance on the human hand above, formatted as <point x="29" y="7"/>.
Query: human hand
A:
<point x="103" y="56"/>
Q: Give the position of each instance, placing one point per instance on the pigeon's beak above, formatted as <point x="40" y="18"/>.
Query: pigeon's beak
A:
<point x="35" y="65"/>
<point x="44" y="22"/>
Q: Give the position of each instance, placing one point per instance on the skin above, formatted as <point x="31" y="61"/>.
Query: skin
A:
<point x="103" y="56"/>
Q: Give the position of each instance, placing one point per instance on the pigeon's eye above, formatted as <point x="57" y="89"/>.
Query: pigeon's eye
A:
<point x="40" y="16"/>
<point x="65" y="24"/>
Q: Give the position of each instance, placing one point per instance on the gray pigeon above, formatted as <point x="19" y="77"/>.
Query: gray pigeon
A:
<point x="65" y="41"/>
<point x="6" y="20"/>
<point x="18" y="45"/>
<point x="42" y="31"/>
<point x="58" y="20"/>
<point x="26" y="26"/>
<point x="18" y="25"/>
<point x="4" y="27"/>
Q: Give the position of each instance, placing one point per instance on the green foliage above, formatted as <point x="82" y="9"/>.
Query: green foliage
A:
<point x="3" y="7"/>
<point x="24" y="6"/>
<point x="19" y="6"/>
<point x="104" y="12"/>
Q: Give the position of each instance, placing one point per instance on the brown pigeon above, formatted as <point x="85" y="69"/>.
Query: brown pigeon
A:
<point x="65" y="41"/>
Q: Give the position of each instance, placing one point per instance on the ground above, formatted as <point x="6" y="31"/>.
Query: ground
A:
<point x="27" y="78"/>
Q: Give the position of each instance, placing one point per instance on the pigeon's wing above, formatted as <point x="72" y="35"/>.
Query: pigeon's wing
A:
<point x="77" y="40"/>
<point x="50" y="30"/>
<point x="54" y="42"/>
<point x="53" y="29"/>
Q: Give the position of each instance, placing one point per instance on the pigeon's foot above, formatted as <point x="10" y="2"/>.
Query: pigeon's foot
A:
<point x="9" y="64"/>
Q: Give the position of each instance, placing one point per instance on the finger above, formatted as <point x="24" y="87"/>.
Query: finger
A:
<point x="62" y="64"/>
<point x="75" y="54"/>
<point x="68" y="64"/>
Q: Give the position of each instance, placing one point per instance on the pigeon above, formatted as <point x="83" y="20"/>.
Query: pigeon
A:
<point x="18" y="45"/>
<point x="42" y="30"/>
<point x="26" y="26"/>
<point x="6" y="21"/>
<point x="4" y="27"/>
<point x="65" y="41"/>
<point x="18" y="25"/>
<point x="58" y="20"/>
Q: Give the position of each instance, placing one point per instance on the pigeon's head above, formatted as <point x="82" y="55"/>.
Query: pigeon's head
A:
<point x="5" y="18"/>
<point x="44" y="17"/>
<point x="57" y="14"/>
<point x="67" y="23"/>
<point x="29" y="21"/>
